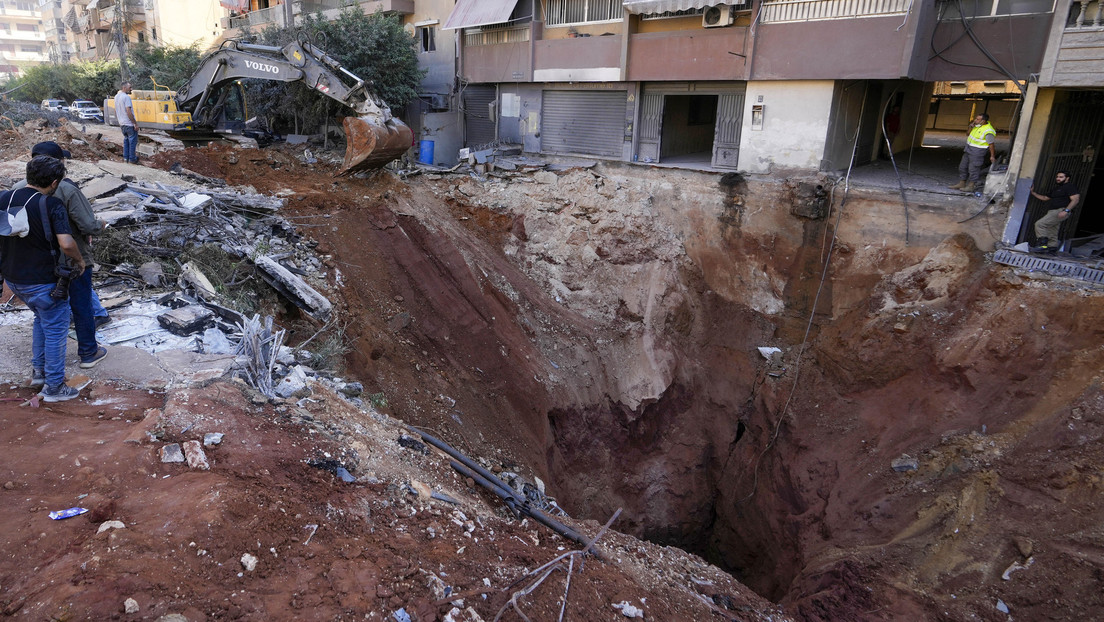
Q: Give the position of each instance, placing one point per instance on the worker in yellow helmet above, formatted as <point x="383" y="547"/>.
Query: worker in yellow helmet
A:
<point x="979" y="143"/>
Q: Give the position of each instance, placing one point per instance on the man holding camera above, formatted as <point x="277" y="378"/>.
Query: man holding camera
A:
<point x="30" y="265"/>
<point x="82" y="225"/>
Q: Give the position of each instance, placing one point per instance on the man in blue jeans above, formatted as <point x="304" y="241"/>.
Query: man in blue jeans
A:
<point x="28" y="265"/>
<point x="124" y="113"/>
<point x="83" y="224"/>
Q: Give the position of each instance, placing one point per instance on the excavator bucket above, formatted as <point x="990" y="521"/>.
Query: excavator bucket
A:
<point x="372" y="144"/>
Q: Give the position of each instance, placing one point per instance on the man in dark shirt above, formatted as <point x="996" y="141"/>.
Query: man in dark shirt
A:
<point x="1060" y="204"/>
<point x="83" y="224"/>
<point x="28" y="265"/>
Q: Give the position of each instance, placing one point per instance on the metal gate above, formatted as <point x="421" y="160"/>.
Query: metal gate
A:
<point x="651" y="127"/>
<point x="479" y="124"/>
<point x="590" y="122"/>
<point x="1075" y="136"/>
<point x="726" y="136"/>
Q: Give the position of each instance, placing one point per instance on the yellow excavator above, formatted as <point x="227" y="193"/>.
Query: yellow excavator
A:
<point x="212" y="103"/>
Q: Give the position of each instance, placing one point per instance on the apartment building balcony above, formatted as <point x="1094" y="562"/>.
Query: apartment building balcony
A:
<point x="781" y="11"/>
<point x="689" y="55"/>
<point x="22" y="36"/>
<point x="259" y="18"/>
<point x="12" y="10"/>
<point x="580" y="59"/>
<point x="402" y="7"/>
<point x="102" y="19"/>
<point x="1079" y="60"/>
<point x="26" y="56"/>
<point x="497" y="53"/>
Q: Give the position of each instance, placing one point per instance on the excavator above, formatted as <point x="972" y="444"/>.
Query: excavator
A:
<point x="212" y="103"/>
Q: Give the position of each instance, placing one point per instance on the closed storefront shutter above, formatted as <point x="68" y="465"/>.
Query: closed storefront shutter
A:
<point x="478" y="124"/>
<point x="589" y="122"/>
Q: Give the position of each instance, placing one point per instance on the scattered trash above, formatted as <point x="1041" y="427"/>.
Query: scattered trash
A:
<point x="628" y="609"/>
<point x="1007" y="574"/>
<point x="313" y="530"/>
<point x="401" y="615"/>
<point x="70" y="513"/>
<point x="768" y="352"/>
<point x="1001" y="607"/>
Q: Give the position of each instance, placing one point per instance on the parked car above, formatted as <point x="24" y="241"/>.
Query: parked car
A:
<point x="54" y="104"/>
<point x="86" y="110"/>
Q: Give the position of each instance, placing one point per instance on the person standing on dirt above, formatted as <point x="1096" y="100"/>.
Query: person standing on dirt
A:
<point x="124" y="112"/>
<point x="979" y="142"/>
<point x="83" y="224"/>
<point x="1060" y="203"/>
<point x="28" y="265"/>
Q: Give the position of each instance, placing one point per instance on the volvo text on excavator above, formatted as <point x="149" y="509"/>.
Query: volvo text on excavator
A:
<point x="213" y="100"/>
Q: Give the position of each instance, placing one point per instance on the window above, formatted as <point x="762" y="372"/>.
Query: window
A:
<point x="30" y="49"/>
<point x="566" y="12"/>
<point x="141" y="37"/>
<point x="426" y="38"/>
<point x="27" y="27"/>
<point x="667" y="14"/>
<point x="993" y="8"/>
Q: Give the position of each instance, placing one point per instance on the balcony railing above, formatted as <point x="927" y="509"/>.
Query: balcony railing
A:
<point x="775" y="11"/>
<point x="491" y="35"/>
<point x="261" y="17"/>
<point x="1086" y="14"/>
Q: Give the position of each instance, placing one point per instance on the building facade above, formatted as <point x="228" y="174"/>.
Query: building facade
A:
<point x="22" y="37"/>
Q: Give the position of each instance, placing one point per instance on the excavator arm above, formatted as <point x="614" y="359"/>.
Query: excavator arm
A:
<point x="373" y="136"/>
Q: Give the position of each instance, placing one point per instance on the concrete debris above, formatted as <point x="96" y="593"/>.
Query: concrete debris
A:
<point x="260" y="345"/>
<point x="352" y="389"/>
<point x="249" y="562"/>
<point x="172" y="453"/>
<point x="771" y="353"/>
<point x="905" y="463"/>
<point x="400" y="615"/>
<point x="130" y="606"/>
<point x="628" y="610"/>
<point x="467" y="615"/>
<point x="212" y="439"/>
<point x="1001" y="607"/>
<point x="102" y="187"/>
<point x="111" y="524"/>
<point x="293" y="383"/>
<point x="193" y="276"/>
<point x="186" y="320"/>
<point x="294" y="288"/>
<point x="197" y="459"/>
<point x="152" y="274"/>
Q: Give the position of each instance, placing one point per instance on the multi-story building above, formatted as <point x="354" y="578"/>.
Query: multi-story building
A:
<point x="58" y="47"/>
<point x="22" y="37"/>
<point x="98" y="27"/>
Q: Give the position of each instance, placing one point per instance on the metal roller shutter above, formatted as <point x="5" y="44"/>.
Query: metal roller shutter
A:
<point x="590" y="122"/>
<point x="479" y="127"/>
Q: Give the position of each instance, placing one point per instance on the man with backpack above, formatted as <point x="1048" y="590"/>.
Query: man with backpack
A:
<point x="29" y="264"/>
<point x="83" y="224"/>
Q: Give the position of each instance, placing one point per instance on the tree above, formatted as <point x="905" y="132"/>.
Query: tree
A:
<point x="373" y="47"/>
<point x="170" y="66"/>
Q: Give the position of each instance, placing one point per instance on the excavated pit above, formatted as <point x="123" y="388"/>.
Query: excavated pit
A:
<point x="599" y="330"/>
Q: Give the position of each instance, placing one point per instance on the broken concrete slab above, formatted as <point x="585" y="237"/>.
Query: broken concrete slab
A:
<point x="106" y="185"/>
<point x="186" y="320"/>
<point x="172" y="453"/>
<point x="191" y="274"/>
<point x="294" y="288"/>
<point x="193" y="453"/>
<point x="293" y="383"/>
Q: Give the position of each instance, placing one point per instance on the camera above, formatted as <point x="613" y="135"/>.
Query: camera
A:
<point x="65" y="273"/>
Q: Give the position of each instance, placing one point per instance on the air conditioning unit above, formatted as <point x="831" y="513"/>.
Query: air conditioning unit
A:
<point x="718" y="16"/>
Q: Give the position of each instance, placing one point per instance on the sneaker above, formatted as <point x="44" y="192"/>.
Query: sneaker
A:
<point x="38" y="378"/>
<point x="60" y="393"/>
<point x="90" y="361"/>
<point x="101" y="320"/>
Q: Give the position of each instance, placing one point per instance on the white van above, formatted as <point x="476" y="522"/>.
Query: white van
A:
<point x="55" y="104"/>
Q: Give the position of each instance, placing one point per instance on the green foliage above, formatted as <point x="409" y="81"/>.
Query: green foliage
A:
<point x="373" y="47"/>
<point x="169" y="66"/>
<point x="95" y="81"/>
